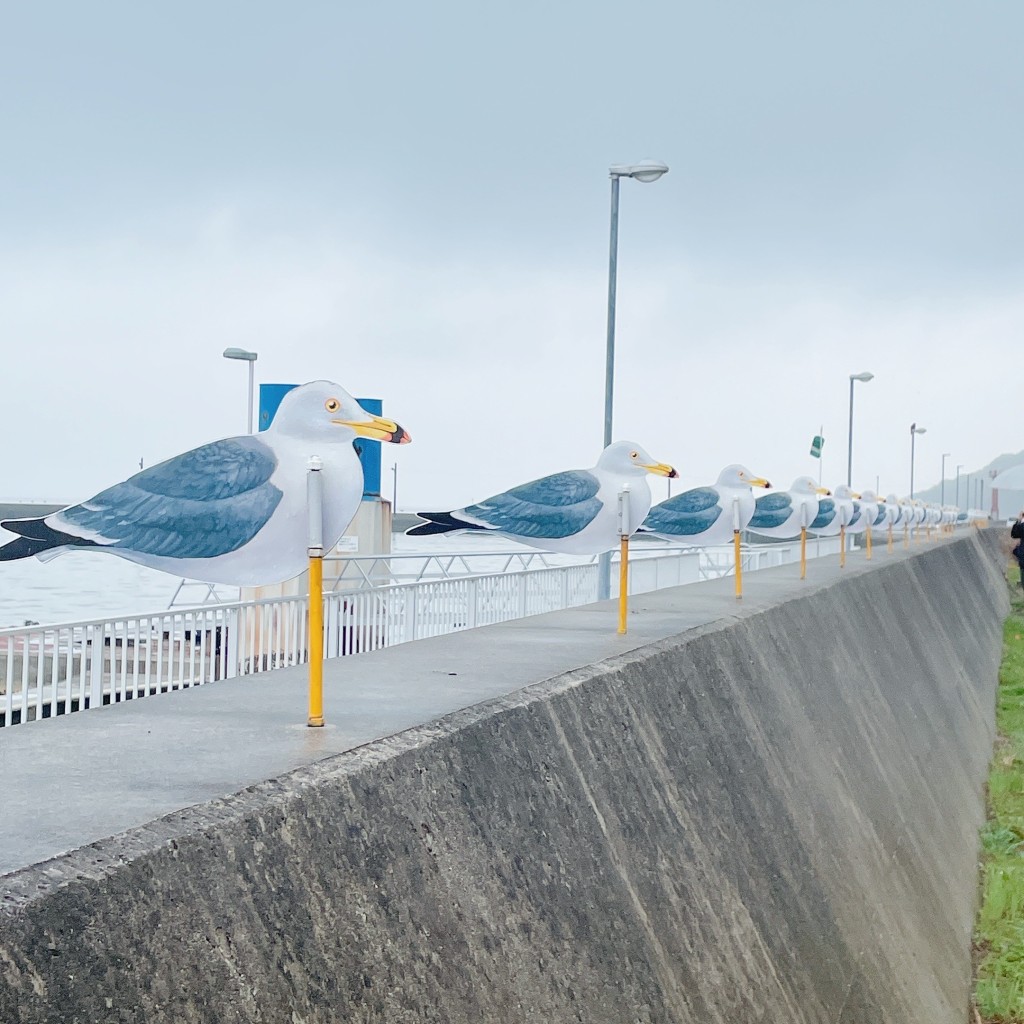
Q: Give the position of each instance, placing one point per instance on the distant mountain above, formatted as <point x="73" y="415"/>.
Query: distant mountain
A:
<point x="1010" y="502"/>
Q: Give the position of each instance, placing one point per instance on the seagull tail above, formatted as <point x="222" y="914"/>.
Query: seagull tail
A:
<point x="439" y="522"/>
<point x="35" y="537"/>
<point x="22" y="547"/>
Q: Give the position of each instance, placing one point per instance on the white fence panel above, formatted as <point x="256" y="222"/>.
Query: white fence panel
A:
<point x="54" y="670"/>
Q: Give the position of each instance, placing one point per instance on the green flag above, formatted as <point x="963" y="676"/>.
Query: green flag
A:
<point x="816" y="445"/>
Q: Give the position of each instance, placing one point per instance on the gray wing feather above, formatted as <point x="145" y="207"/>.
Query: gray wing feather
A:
<point x="684" y="515"/>
<point x="555" y="506"/>
<point x="204" y="503"/>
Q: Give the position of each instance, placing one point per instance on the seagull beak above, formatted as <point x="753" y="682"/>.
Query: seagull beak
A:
<point x="758" y="481"/>
<point x="661" y="469"/>
<point x="378" y="429"/>
<point x="822" y="490"/>
<point x="853" y="494"/>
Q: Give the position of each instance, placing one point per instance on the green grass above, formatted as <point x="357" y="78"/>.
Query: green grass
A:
<point x="999" y="935"/>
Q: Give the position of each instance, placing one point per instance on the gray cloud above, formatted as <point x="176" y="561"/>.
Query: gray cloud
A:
<point x="413" y="199"/>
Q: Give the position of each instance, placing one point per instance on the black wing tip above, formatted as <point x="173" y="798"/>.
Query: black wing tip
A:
<point x="437" y="523"/>
<point x="21" y="547"/>
<point x="34" y="536"/>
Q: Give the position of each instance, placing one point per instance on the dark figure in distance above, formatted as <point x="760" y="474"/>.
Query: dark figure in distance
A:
<point x="1017" y="533"/>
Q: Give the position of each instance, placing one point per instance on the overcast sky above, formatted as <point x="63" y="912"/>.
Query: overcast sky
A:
<point x="412" y="199"/>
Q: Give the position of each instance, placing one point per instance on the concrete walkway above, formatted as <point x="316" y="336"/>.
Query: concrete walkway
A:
<point x="71" y="781"/>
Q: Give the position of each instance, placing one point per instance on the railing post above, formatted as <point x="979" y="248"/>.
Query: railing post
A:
<point x="96" y="667"/>
<point x="231" y="626"/>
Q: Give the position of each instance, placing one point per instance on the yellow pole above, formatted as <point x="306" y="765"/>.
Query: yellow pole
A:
<point x="803" y="552"/>
<point x="842" y="547"/>
<point x="315" y="550"/>
<point x="906" y="535"/>
<point x="890" y="537"/>
<point x="623" y="581"/>
<point x="739" y="564"/>
<point x="316" y="641"/>
<point x="869" y="543"/>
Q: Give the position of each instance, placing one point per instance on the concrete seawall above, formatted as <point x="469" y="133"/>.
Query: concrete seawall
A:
<point x="770" y="818"/>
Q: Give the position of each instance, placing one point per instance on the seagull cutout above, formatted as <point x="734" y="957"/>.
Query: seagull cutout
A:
<point x="834" y="513"/>
<point x="707" y="515"/>
<point x="574" y="512"/>
<point x="892" y="511"/>
<point x="866" y="513"/>
<point x="784" y="513"/>
<point x="232" y="511"/>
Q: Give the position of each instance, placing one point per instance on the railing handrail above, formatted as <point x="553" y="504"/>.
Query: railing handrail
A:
<point x="61" y="668"/>
<point x="228" y="606"/>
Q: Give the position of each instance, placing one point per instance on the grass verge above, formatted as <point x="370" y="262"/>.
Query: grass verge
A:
<point x="999" y="933"/>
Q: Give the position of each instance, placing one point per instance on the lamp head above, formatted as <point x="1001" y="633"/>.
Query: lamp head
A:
<point x="645" y="171"/>
<point x="240" y="353"/>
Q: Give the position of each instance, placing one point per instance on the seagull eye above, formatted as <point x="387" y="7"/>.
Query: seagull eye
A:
<point x="634" y="455"/>
<point x="332" y="405"/>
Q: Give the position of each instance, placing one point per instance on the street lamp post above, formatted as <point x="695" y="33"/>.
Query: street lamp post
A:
<point x="865" y="377"/>
<point x="914" y="431"/>
<point x="942" y="497"/>
<point x="645" y="171"/>
<point x="959" y="466"/>
<point x="250" y="358"/>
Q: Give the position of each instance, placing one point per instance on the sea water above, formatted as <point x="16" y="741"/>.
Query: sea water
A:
<point x="84" y="585"/>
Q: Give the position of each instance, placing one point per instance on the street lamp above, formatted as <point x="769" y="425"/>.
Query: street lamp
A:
<point x="646" y="171"/>
<point x="942" y="498"/>
<point x="959" y="466"/>
<point x="864" y="377"/>
<point x="250" y="358"/>
<point x="914" y="431"/>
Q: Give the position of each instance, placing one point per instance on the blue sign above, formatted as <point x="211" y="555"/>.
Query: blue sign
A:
<point x="368" y="451"/>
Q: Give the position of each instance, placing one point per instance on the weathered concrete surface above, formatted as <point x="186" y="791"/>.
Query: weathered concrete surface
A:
<point x="770" y="819"/>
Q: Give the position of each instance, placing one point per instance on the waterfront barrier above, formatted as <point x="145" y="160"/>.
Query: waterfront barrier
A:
<point x="767" y="815"/>
<point x="49" y="670"/>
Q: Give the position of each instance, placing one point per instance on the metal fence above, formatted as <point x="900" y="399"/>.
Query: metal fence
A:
<point x="57" y="669"/>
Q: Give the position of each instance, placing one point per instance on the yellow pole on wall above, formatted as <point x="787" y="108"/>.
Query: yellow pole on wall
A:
<point x="803" y="552"/>
<point x="315" y="503"/>
<point x="890" y="537"/>
<point x="906" y="535"/>
<point x="623" y="557"/>
<point x="739" y="564"/>
<point x="842" y="546"/>
<point x="736" y="547"/>
<point x="869" y="543"/>
<point x="623" y="581"/>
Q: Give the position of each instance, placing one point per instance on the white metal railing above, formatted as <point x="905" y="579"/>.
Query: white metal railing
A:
<point x="56" y="669"/>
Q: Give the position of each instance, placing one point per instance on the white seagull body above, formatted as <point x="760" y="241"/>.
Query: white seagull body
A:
<point x="233" y="511"/>
<point x="866" y="513"/>
<point x="892" y="511"/>
<point x="575" y="512"/>
<point x="835" y="513"/>
<point x="784" y="514"/>
<point x="706" y="516"/>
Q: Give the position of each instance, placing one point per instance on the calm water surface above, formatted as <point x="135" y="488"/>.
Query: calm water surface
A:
<point x="89" y="585"/>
